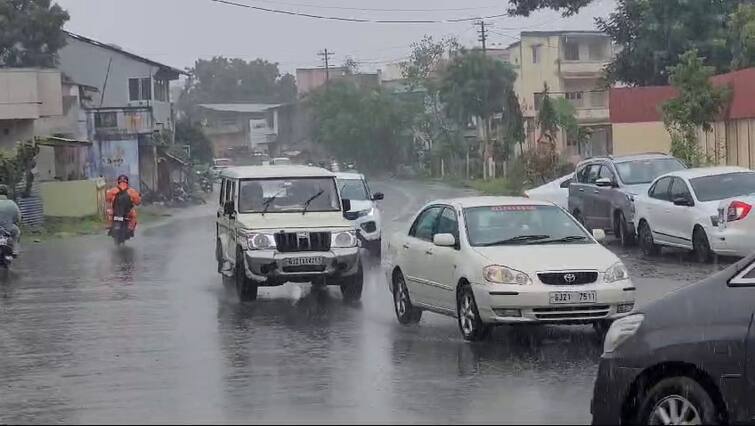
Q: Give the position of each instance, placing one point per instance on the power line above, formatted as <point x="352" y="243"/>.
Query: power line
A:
<point x="367" y="9"/>
<point x="326" y="60"/>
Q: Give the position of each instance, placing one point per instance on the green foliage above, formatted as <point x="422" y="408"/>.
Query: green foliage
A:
<point x="371" y="127"/>
<point x="513" y="122"/>
<point x="742" y="36"/>
<point x="191" y="134"/>
<point x="699" y="104"/>
<point x="426" y="61"/>
<point x="525" y="7"/>
<point x="31" y="32"/>
<point x="16" y="167"/>
<point x="548" y="118"/>
<point x="567" y="120"/>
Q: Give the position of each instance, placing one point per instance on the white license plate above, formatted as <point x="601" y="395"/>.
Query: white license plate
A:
<point x="302" y="261"/>
<point x="118" y="218"/>
<point x="3" y="241"/>
<point x="573" y="297"/>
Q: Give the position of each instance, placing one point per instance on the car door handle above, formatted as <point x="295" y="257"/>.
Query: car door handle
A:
<point x="581" y="190"/>
<point x="430" y="252"/>
<point x="595" y="191"/>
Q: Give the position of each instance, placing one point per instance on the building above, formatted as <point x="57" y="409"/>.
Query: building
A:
<point x="637" y="120"/>
<point x="239" y="130"/>
<point x="572" y="65"/>
<point x="131" y="107"/>
<point x="309" y="79"/>
<point x="27" y="95"/>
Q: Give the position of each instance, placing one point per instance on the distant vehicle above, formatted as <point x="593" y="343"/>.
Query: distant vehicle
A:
<point x="688" y="358"/>
<point x="280" y="161"/>
<point x="705" y="210"/>
<point x="556" y="191"/>
<point x="602" y="193"/>
<point x="504" y="260"/>
<point x="364" y="212"/>
<point x="220" y="164"/>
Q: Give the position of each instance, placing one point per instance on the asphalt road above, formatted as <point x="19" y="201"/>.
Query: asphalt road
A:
<point x="148" y="333"/>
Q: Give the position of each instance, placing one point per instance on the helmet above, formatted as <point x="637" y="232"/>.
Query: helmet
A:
<point x="122" y="178"/>
<point x="4" y="190"/>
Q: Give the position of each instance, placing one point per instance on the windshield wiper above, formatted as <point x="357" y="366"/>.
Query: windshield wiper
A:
<point x="568" y="239"/>
<point x="308" y="202"/>
<point x="517" y="239"/>
<point x="268" y="202"/>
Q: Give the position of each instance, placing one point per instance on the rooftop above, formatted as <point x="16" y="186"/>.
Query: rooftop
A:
<point x="244" y="108"/>
<point x="270" y="172"/>
<point x="562" y="33"/>
<point x="708" y="171"/>
<point x="467" y="202"/>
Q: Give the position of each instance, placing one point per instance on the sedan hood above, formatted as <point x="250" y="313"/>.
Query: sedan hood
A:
<point x="279" y="221"/>
<point x="551" y="257"/>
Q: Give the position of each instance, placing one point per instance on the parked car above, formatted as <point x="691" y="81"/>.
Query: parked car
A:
<point x="504" y="260"/>
<point x="602" y="193"/>
<point x="278" y="224"/>
<point x="365" y="212"/>
<point x="706" y="210"/>
<point x="688" y="358"/>
<point x="220" y="164"/>
<point x="556" y="191"/>
<point x="280" y="161"/>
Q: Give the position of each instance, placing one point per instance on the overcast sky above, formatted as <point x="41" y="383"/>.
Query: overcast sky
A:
<point x="177" y="32"/>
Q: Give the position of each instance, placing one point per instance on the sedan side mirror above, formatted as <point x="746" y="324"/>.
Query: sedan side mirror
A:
<point x="605" y="182"/>
<point x="346" y="204"/>
<point x="444" y="240"/>
<point x="599" y="235"/>
<point x="378" y="196"/>
<point x="683" y="201"/>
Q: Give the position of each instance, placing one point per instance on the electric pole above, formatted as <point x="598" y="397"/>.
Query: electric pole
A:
<point x="483" y="35"/>
<point x="326" y="60"/>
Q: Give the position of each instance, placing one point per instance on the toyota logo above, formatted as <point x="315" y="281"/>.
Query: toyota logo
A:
<point x="570" y="278"/>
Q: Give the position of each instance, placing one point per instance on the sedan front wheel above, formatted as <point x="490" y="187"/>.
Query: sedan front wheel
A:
<point x="470" y="323"/>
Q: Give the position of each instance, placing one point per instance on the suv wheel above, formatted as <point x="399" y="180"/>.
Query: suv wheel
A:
<point x="470" y="323"/>
<point x="219" y="255"/>
<point x="647" y="244"/>
<point x="677" y="401"/>
<point x="623" y="232"/>
<point x="406" y="313"/>
<point x="246" y="288"/>
<point x="351" y="287"/>
<point x="701" y="246"/>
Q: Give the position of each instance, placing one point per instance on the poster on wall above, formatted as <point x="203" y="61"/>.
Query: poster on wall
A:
<point x="120" y="157"/>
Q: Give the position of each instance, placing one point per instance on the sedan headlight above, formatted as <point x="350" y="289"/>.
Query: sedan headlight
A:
<point x="617" y="272"/>
<point x="504" y="275"/>
<point x="344" y="239"/>
<point x="259" y="241"/>
<point x="621" y="330"/>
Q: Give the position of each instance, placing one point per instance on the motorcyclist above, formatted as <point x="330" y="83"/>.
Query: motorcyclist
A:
<point x="10" y="217"/>
<point x="125" y="197"/>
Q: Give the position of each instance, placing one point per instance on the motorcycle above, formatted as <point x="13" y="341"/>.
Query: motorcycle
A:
<point x="120" y="230"/>
<point x="6" y="249"/>
<point x="206" y="184"/>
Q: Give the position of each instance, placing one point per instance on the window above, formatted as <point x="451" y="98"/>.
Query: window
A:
<point x="605" y="172"/>
<point x="566" y="183"/>
<point x="575" y="98"/>
<point x="597" y="51"/>
<point x="536" y="54"/>
<point x="592" y="173"/>
<point x="636" y="172"/>
<point x="353" y="189"/>
<point x="448" y="224"/>
<point x="721" y="187"/>
<point x="425" y="223"/>
<point x="288" y="195"/>
<point x="582" y="174"/>
<point x="222" y="191"/>
<point x="660" y="191"/>
<point x="139" y="89"/>
<point x="598" y="99"/>
<point x="571" y="51"/>
<point x="679" y="189"/>
<point x="105" y="120"/>
<point x="750" y="275"/>
<point x="162" y="90"/>
<point x="229" y="189"/>
<point x="745" y="278"/>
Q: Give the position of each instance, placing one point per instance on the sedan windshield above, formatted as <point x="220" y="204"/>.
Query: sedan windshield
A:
<point x="288" y="195"/>
<point x="522" y="224"/>
<point x="645" y="171"/>
<point x="353" y="189"/>
<point x="721" y="187"/>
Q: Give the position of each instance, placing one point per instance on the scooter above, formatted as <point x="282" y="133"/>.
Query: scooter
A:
<point x="6" y="249"/>
<point x="120" y="230"/>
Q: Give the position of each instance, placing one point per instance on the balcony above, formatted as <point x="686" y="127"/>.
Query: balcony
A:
<point x="593" y="115"/>
<point x="582" y="69"/>
<point x="28" y="94"/>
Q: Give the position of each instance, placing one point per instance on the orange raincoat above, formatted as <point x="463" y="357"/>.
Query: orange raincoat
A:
<point x="136" y="198"/>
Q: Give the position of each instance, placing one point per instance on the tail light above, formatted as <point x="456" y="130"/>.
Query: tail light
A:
<point x="738" y="210"/>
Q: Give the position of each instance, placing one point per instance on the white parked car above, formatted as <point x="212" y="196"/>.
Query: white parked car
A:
<point x="706" y="210"/>
<point x="504" y="260"/>
<point x="556" y="191"/>
<point x="365" y="212"/>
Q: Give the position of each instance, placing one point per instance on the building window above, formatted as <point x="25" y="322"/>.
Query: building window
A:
<point x="162" y="90"/>
<point x="598" y="99"/>
<point x="597" y="51"/>
<point x="575" y="98"/>
<point x="105" y="120"/>
<point x="139" y="89"/>
<point x="536" y="54"/>
<point x="571" y="51"/>
<point x="538" y="101"/>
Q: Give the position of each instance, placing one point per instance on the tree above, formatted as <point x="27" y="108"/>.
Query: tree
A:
<point x="31" y="32"/>
<point x="653" y="33"/>
<point x="742" y="36"/>
<point x="426" y="61"/>
<point x="475" y="85"/>
<point x="525" y="7"/>
<point x="513" y="121"/>
<point x="351" y="65"/>
<point x="698" y="105"/>
<point x="224" y="80"/>
<point x="188" y="133"/>
<point x="567" y="121"/>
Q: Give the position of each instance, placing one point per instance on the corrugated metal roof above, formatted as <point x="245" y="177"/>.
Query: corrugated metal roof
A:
<point x="639" y="104"/>
<point x="742" y="83"/>
<point x="246" y="108"/>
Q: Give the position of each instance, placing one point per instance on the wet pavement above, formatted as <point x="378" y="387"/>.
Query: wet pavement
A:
<point x="148" y="333"/>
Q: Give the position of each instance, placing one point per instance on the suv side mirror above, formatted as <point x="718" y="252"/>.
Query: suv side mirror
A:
<point x="228" y="208"/>
<point x="444" y="240"/>
<point x="605" y="182"/>
<point x="378" y="196"/>
<point x="683" y="201"/>
<point x="346" y="205"/>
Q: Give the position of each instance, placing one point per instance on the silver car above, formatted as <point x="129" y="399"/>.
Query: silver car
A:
<point x="601" y="196"/>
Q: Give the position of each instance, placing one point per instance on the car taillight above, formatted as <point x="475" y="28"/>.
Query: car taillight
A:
<point x="738" y="210"/>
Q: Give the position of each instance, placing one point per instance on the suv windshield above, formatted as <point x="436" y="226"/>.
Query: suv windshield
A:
<point x="721" y="187"/>
<point x="522" y="224"/>
<point x="288" y="195"/>
<point x="645" y="171"/>
<point x="353" y="189"/>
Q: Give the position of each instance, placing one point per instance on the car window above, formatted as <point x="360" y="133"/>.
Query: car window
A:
<point x="660" y="190"/>
<point x="448" y="223"/>
<point x="228" y="191"/>
<point x="750" y="275"/>
<point x="222" y="191"/>
<point x="721" y="187"/>
<point x="353" y="189"/>
<point x="605" y="172"/>
<point x="679" y="189"/>
<point x="637" y="172"/>
<point x="425" y="224"/>
<point x="593" y="172"/>
<point x="581" y="175"/>
<point x="566" y="183"/>
<point x="513" y="224"/>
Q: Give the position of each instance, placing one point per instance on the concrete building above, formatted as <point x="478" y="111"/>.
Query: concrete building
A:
<point x="571" y="63"/>
<point x="239" y="130"/>
<point x="309" y="79"/>
<point x="26" y="95"/>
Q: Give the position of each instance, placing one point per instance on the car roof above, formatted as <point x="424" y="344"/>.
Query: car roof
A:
<point x="283" y="171"/>
<point x="349" y="175"/>
<point x="485" y="201"/>
<point x="707" y="171"/>
<point x="626" y="158"/>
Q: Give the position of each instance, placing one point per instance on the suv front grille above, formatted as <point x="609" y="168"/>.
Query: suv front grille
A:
<point x="568" y="277"/>
<point x="288" y="242"/>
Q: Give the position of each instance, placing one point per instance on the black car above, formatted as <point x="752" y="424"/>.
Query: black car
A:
<point x="688" y="358"/>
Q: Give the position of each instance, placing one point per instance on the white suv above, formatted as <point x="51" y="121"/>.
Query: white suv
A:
<point x="365" y="212"/>
<point x="504" y="260"/>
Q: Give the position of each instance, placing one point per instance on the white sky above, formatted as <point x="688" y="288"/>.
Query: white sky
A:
<point x="177" y="32"/>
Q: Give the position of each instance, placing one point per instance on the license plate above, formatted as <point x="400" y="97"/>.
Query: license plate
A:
<point x="573" y="297"/>
<point x="302" y="261"/>
<point x="118" y="218"/>
<point x="3" y="241"/>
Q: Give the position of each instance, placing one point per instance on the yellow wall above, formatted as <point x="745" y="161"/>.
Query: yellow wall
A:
<point x="77" y="198"/>
<point x="635" y="138"/>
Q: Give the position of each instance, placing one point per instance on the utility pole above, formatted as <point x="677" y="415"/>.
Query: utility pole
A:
<point x="483" y="35"/>
<point x="326" y="60"/>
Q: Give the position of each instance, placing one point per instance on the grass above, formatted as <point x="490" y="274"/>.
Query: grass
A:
<point x="498" y="186"/>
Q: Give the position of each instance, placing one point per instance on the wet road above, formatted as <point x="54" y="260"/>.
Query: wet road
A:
<point x="90" y="333"/>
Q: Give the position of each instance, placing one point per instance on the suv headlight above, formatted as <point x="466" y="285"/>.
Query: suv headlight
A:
<point x="617" y="272"/>
<point x="259" y="241"/>
<point x="362" y="213"/>
<point x="504" y="275"/>
<point x="343" y="239"/>
<point x="621" y="330"/>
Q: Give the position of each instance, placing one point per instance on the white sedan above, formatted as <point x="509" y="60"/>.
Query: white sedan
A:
<point x="556" y="191"/>
<point x="705" y="210"/>
<point x="504" y="260"/>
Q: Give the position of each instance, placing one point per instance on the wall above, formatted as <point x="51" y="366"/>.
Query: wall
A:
<point x="532" y="76"/>
<point x="29" y="93"/>
<point x="634" y="138"/>
<point x="70" y="124"/>
<point x="12" y="131"/>
<point x="77" y="198"/>
<point x="120" y="157"/>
